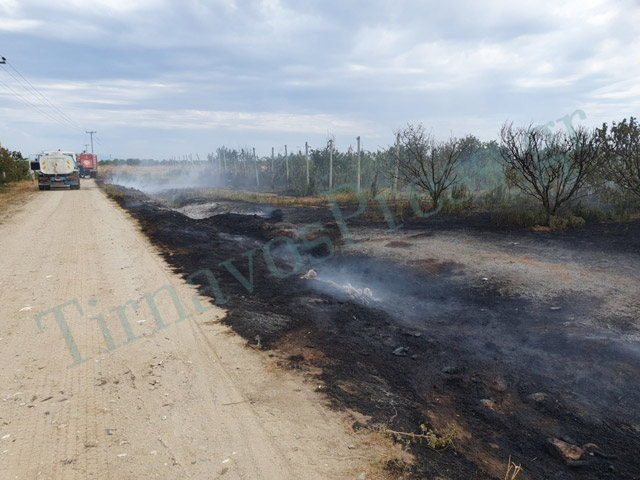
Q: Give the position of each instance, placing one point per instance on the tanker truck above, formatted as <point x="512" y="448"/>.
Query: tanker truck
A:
<point x="57" y="170"/>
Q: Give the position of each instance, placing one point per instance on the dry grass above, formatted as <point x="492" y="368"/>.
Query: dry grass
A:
<point x="433" y="439"/>
<point x="15" y="195"/>
<point x="513" y="470"/>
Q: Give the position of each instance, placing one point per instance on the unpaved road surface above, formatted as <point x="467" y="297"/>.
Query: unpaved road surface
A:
<point x="91" y="387"/>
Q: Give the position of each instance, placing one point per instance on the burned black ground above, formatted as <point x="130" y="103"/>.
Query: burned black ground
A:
<point x="439" y="347"/>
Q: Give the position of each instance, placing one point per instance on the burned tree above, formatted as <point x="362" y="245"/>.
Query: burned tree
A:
<point x="428" y="164"/>
<point x="551" y="167"/>
<point x="620" y="149"/>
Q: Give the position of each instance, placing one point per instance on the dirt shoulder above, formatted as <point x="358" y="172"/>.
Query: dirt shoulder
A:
<point x="14" y="196"/>
<point x="113" y="367"/>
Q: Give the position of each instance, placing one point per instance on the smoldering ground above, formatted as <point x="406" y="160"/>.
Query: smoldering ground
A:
<point x="429" y="343"/>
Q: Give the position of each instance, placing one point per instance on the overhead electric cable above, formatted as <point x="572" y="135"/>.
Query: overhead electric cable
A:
<point x="41" y="95"/>
<point x="51" y="112"/>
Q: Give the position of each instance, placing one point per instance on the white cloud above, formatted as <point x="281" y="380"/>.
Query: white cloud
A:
<point x="328" y="65"/>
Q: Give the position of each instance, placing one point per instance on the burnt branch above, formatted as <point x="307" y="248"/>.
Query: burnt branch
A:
<point x="427" y="164"/>
<point x="551" y="167"/>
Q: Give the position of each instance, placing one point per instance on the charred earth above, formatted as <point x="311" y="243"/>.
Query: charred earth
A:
<point x="408" y="338"/>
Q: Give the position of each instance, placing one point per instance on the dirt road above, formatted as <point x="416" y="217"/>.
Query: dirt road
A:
<point x="90" y="387"/>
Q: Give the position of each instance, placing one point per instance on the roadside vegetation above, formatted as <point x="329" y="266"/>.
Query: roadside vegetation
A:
<point x="13" y="167"/>
<point x="530" y="177"/>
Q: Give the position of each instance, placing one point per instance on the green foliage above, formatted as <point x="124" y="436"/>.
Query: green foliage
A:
<point x="620" y="151"/>
<point x="591" y="214"/>
<point x="439" y="441"/>
<point x="497" y="197"/>
<point x="518" y="217"/>
<point x="563" y="222"/>
<point x="13" y="166"/>
<point x="433" y="439"/>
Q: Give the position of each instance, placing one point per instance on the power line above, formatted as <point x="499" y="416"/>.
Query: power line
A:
<point x="42" y="95"/>
<point x="26" y="101"/>
<point x="53" y="113"/>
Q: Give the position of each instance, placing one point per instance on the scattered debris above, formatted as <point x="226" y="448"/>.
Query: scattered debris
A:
<point x="310" y="274"/>
<point x="489" y="403"/>
<point x="538" y="397"/>
<point x="566" y="451"/>
<point x="401" y="351"/>
<point x="363" y="295"/>
<point x="25" y="309"/>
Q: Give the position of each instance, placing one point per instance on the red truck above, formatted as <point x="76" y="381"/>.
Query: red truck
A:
<point x="88" y="165"/>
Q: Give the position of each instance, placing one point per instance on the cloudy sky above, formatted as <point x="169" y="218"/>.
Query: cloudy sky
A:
<point x="167" y="78"/>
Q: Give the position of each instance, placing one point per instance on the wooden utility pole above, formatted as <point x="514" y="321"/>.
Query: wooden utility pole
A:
<point x="255" y="161"/>
<point x="395" y="173"/>
<point x="330" y="164"/>
<point x="286" y="161"/>
<point x="306" y="157"/>
<point x="358" y="138"/>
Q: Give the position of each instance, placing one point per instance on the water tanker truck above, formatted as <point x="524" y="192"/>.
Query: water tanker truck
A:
<point x="57" y="170"/>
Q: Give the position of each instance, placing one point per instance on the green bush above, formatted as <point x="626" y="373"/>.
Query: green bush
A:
<point x="591" y="214"/>
<point x="12" y="166"/>
<point x="563" y="222"/>
<point x="497" y="197"/>
<point x="518" y="216"/>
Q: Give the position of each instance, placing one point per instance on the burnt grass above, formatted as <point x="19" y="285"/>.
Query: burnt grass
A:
<point x="442" y="349"/>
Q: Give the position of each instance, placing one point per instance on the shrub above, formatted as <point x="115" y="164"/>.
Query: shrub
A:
<point x="562" y="222"/>
<point x="496" y="197"/>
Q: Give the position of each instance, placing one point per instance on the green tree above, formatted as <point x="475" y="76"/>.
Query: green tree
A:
<point x="620" y="151"/>
<point x="13" y="166"/>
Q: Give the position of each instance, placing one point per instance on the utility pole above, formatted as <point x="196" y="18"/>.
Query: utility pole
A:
<point x="330" y="163"/>
<point x="255" y="161"/>
<point x="358" y="138"/>
<point x="273" y="154"/>
<point x="286" y="160"/>
<point x="306" y="156"/>
<point x="91" y="133"/>
<point x="86" y="147"/>
<point x="395" y="173"/>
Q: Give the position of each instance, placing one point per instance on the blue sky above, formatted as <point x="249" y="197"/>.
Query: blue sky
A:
<point x="161" y="79"/>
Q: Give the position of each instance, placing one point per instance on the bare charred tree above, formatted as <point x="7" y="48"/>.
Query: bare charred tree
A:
<point x="550" y="167"/>
<point x="428" y="164"/>
<point x="620" y="149"/>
